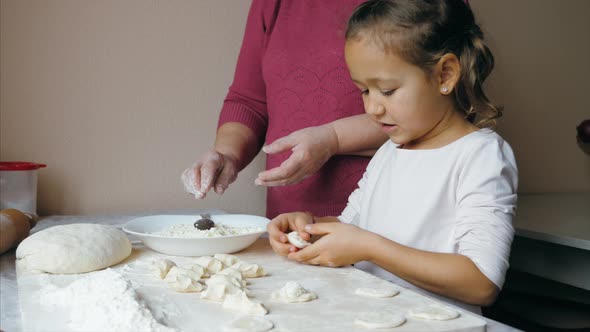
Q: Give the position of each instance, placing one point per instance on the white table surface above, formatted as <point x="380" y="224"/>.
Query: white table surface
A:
<point x="10" y="316"/>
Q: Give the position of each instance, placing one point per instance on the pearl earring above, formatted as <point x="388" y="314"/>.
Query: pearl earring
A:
<point x="444" y="89"/>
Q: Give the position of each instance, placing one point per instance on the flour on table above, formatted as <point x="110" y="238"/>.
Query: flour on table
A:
<point x="379" y="320"/>
<point x="249" y="324"/>
<point x="161" y="266"/>
<point x="102" y="301"/>
<point x="239" y="301"/>
<point x="249" y="270"/>
<point x="296" y="240"/>
<point x="184" y="280"/>
<point x="293" y="292"/>
<point x="377" y="292"/>
<point x="189" y="231"/>
<point x="434" y="312"/>
<point x="74" y="248"/>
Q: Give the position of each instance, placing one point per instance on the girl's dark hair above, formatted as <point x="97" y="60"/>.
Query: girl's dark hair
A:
<point x="422" y="31"/>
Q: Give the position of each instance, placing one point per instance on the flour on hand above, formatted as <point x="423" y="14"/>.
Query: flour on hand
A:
<point x="293" y="292"/>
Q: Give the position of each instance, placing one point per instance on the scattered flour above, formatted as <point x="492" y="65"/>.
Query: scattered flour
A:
<point x="103" y="301"/>
<point x="189" y="231"/>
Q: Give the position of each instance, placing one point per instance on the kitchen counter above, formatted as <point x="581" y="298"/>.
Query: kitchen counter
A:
<point x="553" y="237"/>
<point x="10" y="316"/>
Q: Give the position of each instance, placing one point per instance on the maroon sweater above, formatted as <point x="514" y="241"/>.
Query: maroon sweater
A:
<point x="291" y="75"/>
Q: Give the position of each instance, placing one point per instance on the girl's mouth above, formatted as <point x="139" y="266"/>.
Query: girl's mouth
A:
<point x="387" y="128"/>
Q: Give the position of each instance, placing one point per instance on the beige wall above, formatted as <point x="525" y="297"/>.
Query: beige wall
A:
<point x="118" y="97"/>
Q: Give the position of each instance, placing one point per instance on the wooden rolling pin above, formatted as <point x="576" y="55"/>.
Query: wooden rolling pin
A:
<point x="15" y="226"/>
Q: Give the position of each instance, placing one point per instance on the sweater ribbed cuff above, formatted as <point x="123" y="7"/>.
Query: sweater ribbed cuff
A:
<point x="236" y="112"/>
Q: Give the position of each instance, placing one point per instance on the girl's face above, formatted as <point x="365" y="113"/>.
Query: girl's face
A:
<point x="401" y="97"/>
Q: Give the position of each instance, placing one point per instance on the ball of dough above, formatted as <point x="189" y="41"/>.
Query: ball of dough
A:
<point x="75" y="248"/>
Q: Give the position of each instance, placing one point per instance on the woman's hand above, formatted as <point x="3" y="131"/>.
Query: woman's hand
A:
<point x="311" y="148"/>
<point x="283" y="224"/>
<point x="341" y="244"/>
<point x="212" y="170"/>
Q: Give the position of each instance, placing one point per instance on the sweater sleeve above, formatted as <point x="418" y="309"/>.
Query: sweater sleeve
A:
<point x="246" y="100"/>
<point x="486" y="203"/>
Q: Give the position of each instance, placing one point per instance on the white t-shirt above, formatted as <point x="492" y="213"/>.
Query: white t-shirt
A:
<point x="459" y="198"/>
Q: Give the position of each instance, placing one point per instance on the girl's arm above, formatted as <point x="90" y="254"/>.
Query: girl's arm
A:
<point x="451" y="275"/>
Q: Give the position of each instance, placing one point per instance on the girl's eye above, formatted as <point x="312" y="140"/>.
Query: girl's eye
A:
<point x="364" y="92"/>
<point x="388" y="92"/>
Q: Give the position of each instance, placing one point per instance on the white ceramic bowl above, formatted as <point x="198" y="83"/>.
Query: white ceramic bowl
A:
<point x="143" y="228"/>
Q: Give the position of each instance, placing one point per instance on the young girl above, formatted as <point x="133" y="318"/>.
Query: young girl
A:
<point x="434" y="208"/>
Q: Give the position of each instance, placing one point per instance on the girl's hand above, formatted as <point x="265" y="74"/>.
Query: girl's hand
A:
<point x="341" y="244"/>
<point x="283" y="224"/>
<point x="311" y="148"/>
<point x="213" y="170"/>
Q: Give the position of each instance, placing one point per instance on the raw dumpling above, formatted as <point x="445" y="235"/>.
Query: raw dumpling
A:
<point x="226" y="259"/>
<point x="183" y="280"/>
<point x="293" y="292"/>
<point x="219" y="286"/>
<point x="239" y="301"/>
<point x="160" y="267"/>
<point x="211" y="265"/>
<point x="249" y="270"/>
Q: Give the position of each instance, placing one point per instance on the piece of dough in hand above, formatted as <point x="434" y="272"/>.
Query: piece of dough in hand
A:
<point x="297" y="241"/>
<point x="73" y="248"/>
<point x="379" y="320"/>
<point x="434" y="312"/>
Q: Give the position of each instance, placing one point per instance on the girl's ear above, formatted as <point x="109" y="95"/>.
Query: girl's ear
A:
<point x="448" y="73"/>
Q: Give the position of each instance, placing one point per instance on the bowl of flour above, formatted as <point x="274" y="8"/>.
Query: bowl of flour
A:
<point x="176" y="234"/>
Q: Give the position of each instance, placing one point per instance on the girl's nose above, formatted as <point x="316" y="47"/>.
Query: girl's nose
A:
<point x="374" y="108"/>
